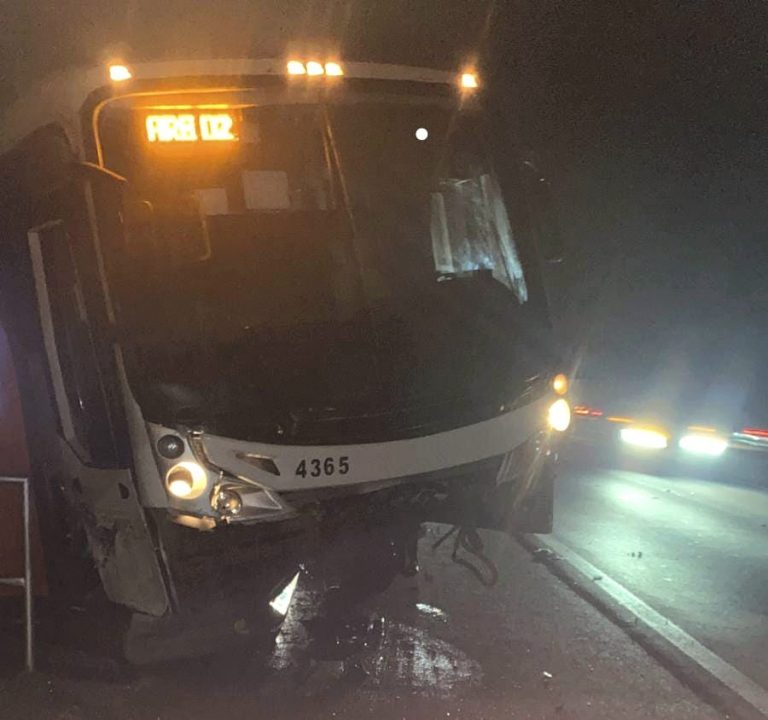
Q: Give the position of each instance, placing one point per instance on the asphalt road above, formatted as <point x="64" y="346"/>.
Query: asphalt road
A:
<point x="445" y="647"/>
<point x="694" y="549"/>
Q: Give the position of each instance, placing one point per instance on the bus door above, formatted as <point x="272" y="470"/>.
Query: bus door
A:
<point x="102" y="491"/>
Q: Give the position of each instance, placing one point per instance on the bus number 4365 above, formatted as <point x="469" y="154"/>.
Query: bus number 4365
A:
<point x="323" y="466"/>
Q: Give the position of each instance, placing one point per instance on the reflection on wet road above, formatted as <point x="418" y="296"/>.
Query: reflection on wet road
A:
<point x="695" y="550"/>
<point x="427" y="664"/>
<point x="440" y="646"/>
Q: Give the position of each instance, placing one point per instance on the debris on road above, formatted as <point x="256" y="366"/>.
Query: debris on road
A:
<point x="432" y="611"/>
<point x="543" y="554"/>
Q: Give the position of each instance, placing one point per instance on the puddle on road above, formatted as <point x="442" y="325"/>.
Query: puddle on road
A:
<point x="401" y="657"/>
<point x="410" y="657"/>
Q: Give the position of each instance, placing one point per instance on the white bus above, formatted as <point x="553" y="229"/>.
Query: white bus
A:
<point x="265" y="314"/>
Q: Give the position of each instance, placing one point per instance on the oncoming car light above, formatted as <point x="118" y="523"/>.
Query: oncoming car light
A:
<point x="186" y="480"/>
<point x="647" y="438"/>
<point x="559" y="415"/>
<point x="699" y="443"/>
<point x="560" y="384"/>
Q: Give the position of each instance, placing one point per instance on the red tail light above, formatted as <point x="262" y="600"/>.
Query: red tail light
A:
<point x="758" y="432"/>
<point x="585" y="411"/>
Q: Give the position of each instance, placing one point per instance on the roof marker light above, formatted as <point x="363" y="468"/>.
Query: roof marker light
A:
<point x="333" y="69"/>
<point x="469" y="81"/>
<point x="315" y="68"/>
<point x="296" y="67"/>
<point x="119" y="73"/>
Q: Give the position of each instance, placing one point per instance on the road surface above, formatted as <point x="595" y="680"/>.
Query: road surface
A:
<point x="444" y="646"/>
<point x="447" y="647"/>
<point x="694" y="549"/>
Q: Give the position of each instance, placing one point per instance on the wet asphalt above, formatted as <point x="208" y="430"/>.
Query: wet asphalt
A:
<point x="443" y="646"/>
<point x="693" y="545"/>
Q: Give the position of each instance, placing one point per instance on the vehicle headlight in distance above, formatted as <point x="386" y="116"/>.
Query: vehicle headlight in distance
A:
<point x="559" y="415"/>
<point x="186" y="480"/>
<point x="709" y="444"/>
<point x="647" y="438"/>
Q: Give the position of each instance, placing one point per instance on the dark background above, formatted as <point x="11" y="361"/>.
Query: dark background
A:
<point x="650" y="118"/>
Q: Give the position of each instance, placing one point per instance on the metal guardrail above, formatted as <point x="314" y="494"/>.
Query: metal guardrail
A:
<point x="26" y="581"/>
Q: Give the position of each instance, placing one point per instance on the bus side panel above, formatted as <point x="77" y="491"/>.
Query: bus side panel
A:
<point x="85" y="509"/>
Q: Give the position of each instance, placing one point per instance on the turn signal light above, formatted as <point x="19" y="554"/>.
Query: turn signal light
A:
<point x="560" y="384"/>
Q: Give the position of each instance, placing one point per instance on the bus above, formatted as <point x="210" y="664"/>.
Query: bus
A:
<point x="271" y="315"/>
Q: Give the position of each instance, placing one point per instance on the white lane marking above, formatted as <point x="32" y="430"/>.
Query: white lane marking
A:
<point x="732" y="678"/>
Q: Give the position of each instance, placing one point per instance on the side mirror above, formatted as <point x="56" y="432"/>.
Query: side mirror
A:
<point x="543" y="216"/>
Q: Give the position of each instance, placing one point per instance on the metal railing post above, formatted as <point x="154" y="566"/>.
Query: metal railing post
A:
<point x="26" y="581"/>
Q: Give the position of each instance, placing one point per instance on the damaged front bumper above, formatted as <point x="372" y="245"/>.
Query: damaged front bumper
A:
<point x="232" y="481"/>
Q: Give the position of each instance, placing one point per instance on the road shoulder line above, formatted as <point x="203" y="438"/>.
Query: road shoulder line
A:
<point x="691" y="661"/>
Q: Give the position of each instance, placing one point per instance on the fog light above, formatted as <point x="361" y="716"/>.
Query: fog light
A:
<point x="228" y="502"/>
<point x="186" y="481"/>
<point x="559" y="415"/>
<point x="703" y="444"/>
<point x="644" y="438"/>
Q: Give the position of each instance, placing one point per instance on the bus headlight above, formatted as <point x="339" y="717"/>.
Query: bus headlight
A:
<point x="186" y="480"/>
<point x="559" y="415"/>
<point x="647" y="438"/>
<point x="703" y="444"/>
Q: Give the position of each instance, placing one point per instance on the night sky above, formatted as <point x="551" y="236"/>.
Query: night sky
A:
<point x="649" y="116"/>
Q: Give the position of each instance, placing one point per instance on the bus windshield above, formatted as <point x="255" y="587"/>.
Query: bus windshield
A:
<point x="325" y="252"/>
